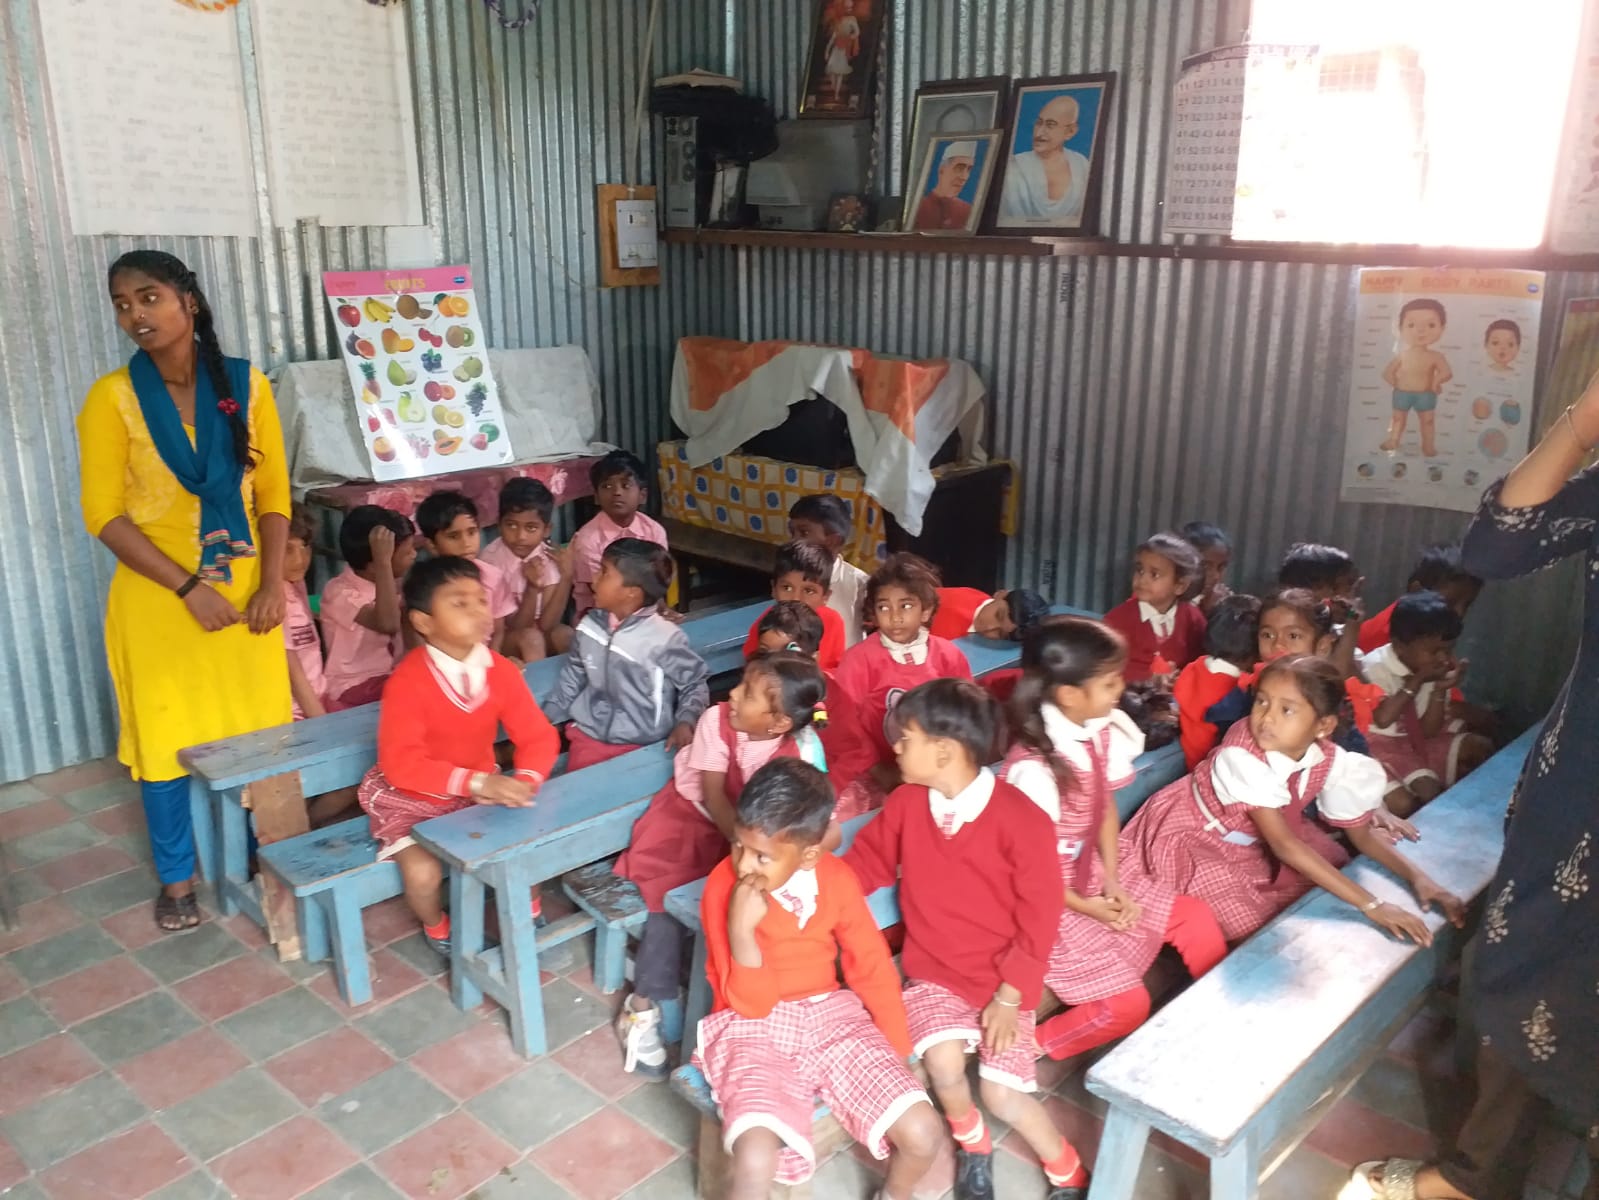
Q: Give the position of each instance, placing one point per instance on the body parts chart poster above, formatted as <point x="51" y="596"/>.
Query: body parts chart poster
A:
<point x="1441" y="383"/>
<point x="425" y="399"/>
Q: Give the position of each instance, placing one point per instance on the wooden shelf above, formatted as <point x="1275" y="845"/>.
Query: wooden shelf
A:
<point x="1055" y="247"/>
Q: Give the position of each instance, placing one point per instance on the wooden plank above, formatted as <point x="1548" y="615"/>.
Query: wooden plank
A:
<point x="612" y="273"/>
<point x="1336" y="967"/>
<point x="279" y="809"/>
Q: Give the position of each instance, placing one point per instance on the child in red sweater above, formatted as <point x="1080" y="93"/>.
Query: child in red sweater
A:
<point x="779" y="915"/>
<point x="979" y="887"/>
<point x="774" y="712"/>
<point x="803" y="571"/>
<point x="442" y="710"/>
<point x="902" y="600"/>
<point x="1209" y="691"/>
<point x="1007" y="615"/>
<point x="1164" y="633"/>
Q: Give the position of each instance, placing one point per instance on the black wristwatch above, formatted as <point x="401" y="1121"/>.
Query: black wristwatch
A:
<point x="189" y="584"/>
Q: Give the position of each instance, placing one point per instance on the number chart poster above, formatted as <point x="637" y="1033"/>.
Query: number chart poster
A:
<point x="1441" y="387"/>
<point x="424" y="396"/>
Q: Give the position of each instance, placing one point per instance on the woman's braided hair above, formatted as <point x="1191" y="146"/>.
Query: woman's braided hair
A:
<point x="172" y="271"/>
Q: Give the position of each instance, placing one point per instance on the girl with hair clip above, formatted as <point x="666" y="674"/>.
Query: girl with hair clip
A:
<point x="1072" y="748"/>
<point x="1163" y="633"/>
<point x="1236" y="833"/>
<point x="776" y="711"/>
<point x="903" y="653"/>
<point x="185" y="481"/>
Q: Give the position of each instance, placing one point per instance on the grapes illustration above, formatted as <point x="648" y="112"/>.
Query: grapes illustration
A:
<point x="476" y="398"/>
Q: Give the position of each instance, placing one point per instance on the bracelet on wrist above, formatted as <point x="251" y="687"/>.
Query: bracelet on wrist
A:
<point x="1376" y="903"/>
<point x="1007" y="1003"/>
<point x="1571" y="424"/>
<point x="187" y="586"/>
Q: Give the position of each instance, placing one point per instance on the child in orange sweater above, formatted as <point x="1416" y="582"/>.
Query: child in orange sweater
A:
<point x="779" y="915"/>
<point x="442" y="710"/>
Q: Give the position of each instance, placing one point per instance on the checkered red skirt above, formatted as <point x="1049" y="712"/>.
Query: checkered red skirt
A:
<point x="393" y="811"/>
<point x="1090" y="960"/>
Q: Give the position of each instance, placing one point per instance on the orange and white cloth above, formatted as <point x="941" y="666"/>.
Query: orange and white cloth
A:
<point x="900" y="411"/>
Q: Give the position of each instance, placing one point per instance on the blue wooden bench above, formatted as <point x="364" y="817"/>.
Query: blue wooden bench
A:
<point x="579" y="819"/>
<point x="1245" y="1062"/>
<point x="335" y="751"/>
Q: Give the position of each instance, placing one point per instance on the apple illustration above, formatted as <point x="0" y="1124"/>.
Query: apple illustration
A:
<point x="350" y="315"/>
<point x="433" y="390"/>
<point x="383" y="449"/>
<point x="480" y="441"/>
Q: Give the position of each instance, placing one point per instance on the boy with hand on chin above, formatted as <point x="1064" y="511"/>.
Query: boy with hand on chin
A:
<point x="778" y="914"/>
<point x="979" y="888"/>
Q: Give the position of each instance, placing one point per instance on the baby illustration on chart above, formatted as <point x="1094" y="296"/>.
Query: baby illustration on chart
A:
<point x="1417" y="374"/>
<point x="1502" y="342"/>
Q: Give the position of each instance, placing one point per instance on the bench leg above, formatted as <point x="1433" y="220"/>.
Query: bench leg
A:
<point x="1236" y="1174"/>
<point x="234" y="828"/>
<point x="314" y="937"/>
<point x="519" y="958"/>
<point x="610" y="956"/>
<point x="699" y="999"/>
<point x="1121" y="1154"/>
<point x="343" y="917"/>
<point x="205" y="833"/>
<point x="466" y="937"/>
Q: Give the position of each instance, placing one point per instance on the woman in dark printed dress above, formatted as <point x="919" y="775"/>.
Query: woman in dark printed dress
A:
<point x="1536" y="961"/>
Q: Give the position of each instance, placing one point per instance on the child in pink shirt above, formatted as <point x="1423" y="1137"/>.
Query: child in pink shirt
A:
<point x="361" y="605"/>
<point x="538" y="575"/>
<point x="300" y="635"/>
<point x="619" y="490"/>
<point x="448" y="520"/>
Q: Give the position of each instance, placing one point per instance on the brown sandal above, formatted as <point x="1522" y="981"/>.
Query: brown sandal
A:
<point x="176" y="914"/>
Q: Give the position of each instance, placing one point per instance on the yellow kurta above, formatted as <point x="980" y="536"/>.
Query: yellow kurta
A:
<point x="176" y="684"/>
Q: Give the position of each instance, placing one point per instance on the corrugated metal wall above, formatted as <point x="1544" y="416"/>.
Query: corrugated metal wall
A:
<point x="1136" y="393"/>
<point x="515" y="129"/>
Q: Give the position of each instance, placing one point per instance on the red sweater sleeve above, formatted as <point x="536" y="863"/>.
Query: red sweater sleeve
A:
<point x="868" y="967"/>
<point x="752" y="644"/>
<point x="874" y="856"/>
<point x="403" y="743"/>
<point x="533" y="737"/>
<point x="855" y="671"/>
<point x="832" y="651"/>
<point x="1194" y="625"/>
<point x="1035" y="871"/>
<point x="1124" y="619"/>
<point x="949" y="661"/>
<point x="749" y="991"/>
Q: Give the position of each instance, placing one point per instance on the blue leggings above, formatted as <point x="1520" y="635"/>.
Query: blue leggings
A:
<point x="166" y="812"/>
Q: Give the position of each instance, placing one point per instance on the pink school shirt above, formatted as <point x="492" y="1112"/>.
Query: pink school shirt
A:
<point x="497" y="554"/>
<point x="302" y="640"/>
<point x="502" y="601"/>
<point x="589" y="544"/>
<point x="708" y="752"/>
<point x="355" y="653"/>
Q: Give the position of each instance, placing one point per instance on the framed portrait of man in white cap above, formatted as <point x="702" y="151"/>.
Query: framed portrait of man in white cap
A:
<point x="949" y="195"/>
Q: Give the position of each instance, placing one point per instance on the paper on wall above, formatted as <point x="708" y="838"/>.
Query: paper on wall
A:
<point x="424" y="398"/>
<point x="335" y="79"/>
<point x="149" y="110"/>
<point x="1439" y="402"/>
<point x="1574" y="214"/>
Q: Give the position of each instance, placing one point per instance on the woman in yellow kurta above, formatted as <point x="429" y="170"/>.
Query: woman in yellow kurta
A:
<point x="184" y="479"/>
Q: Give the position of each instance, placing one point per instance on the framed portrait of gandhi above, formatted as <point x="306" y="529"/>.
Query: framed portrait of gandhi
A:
<point x="1053" y="156"/>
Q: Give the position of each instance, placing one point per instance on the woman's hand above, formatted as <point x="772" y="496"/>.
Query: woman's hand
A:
<point x="1429" y="894"/>
<point x="266" y="609"/>
<point x="1403" y="925"/>
<point x="211" y="608"/>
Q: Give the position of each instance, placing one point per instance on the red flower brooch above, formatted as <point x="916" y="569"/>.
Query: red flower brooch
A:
<point x="228" y="406"/>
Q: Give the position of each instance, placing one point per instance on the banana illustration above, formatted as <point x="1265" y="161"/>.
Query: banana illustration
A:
<point x="376" y="310"/>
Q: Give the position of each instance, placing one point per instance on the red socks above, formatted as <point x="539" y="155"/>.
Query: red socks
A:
<point x="971" y="1133"/>
<point x="1066" y="1168"/>
<point x="440" y="931"/>
<point x="1193" y="932"/>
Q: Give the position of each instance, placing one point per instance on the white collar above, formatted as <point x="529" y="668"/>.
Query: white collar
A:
<point x="1285" y="768"/>
<point x="1220" y="666"/>
<point x="977" y="612"/>
<point x="907" y="653"/>
<point x="1062" y="729"/>
<point x="1390" y="660"/>
<point x="798" y="895"/>
<point x="951" y="812"/>
<point x="469" y="675"/>
<point x="1163" y="623"/>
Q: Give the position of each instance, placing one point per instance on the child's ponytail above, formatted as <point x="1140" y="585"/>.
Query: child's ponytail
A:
<point x="1061" y="652"/>
<point x="1026" y="712"/>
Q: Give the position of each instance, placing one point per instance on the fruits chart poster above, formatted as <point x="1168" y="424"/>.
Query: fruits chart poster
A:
<point x="425" y="400"/>
<point x="1441" y="383"/>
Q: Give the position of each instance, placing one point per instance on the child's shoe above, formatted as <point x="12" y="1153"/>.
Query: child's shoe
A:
<point x="643" y="1051"/>
<point x="974" y="1175"/>
<point x="438" y="936"/>
<point x="1068" y="1193"/>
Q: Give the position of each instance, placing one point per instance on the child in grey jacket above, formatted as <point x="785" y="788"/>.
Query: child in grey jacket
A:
<point x="631" y="677"/>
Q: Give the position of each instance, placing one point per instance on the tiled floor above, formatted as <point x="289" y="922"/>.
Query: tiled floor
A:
<point x="138" y="1064"/>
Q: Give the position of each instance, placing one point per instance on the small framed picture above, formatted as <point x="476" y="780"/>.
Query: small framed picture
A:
<point x="947" y="196"/>
<point x="1053" y="156"/>
<point x="953" y="106"/>
<point x="849" y="212"/>
<point x="841" y="69"/>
